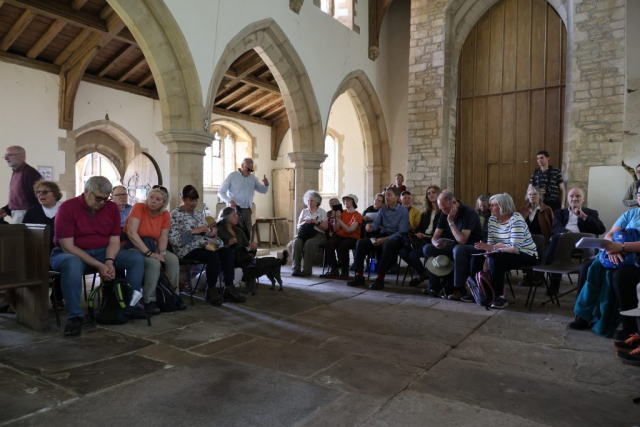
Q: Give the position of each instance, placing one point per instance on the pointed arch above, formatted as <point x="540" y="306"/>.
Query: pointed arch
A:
<point x="374" y="129"/>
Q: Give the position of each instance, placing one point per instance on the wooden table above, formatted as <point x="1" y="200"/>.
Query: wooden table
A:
<point x="272" y="230"/>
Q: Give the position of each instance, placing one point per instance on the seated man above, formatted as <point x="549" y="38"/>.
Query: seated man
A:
<point x="120" y="197"/>
<point x="574" y="219"/>
<point x="87" y="235"/>
<point x="393" y="223"/>
<point x="414" y="213"/>
<point x="460" y="224"/>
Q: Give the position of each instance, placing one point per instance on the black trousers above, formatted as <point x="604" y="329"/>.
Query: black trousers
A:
<point x="501" y="262"/>
<point x="215" y="261"/>
<point x="624" y="282"/>
<point x="342" y="245"/>
<point x="389" y="252"/>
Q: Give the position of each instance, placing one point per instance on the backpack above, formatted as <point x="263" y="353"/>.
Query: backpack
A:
<point x="114" y="305"/>
<point x="628" y="235"/>
<point x="481" y="289"/>
<point x="166" y="299"/>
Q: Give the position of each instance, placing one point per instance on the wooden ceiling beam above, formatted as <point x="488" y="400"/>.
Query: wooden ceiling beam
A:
<point x="261" y="84"/>
<point x="278" y="131"/>
<point x="66" y="14"/>
<point x="78" y="4"/>
<point x="272" y="111"/>
<point x="240" y="74"/>
<point x="221" y="99"/>
<point x="106" y="12"/>
<point x="135" y="67"/>
<point x="281" y="116"/>
<point x="16" y="29"/>
<point x="266" y="105"/>
<point x="259" y="100"/>
<point x="239" y="116"/>
<point x="146" y="79"/>
<point x="72" y="47"/>
<point x="1" y="3"/>
<point x="242" y="99"/>
<point x="45" y="39"/>
<point x="115" y="59"/>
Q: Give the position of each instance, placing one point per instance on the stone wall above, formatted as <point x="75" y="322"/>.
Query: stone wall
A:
<point x="598" y="88"/>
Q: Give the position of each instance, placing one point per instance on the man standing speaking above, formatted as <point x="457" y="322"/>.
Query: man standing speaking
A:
<point x="237" y="192"/>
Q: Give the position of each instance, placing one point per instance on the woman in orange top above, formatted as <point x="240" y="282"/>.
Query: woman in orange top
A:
<point x="147" y="229"/>
<point x="346" y="234"/>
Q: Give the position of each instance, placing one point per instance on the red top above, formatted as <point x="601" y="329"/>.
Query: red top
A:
<point x="348" y="219"/>
<point x="90" y="230"/>
<point x="150" y="226"/>
<point x="17" y="198"/>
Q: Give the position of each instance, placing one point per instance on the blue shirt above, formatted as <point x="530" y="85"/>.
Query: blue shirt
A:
<point x="124" y="214"/>
<point x="240" y="188"/>
<point x="393" y="222"/>
<point x="629" y="219"/>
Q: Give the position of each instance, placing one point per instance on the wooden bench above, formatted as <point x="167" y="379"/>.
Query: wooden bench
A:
<point x="24" y="269"/>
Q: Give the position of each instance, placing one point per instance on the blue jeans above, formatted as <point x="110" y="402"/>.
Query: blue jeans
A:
<point x="72" y="269"/>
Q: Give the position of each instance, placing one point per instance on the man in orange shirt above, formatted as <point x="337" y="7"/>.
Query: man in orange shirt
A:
<point x="346" y="229"/>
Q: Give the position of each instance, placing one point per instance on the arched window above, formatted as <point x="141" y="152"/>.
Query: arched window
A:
<point x="219" y="158"/>
<point x="329" y="169"/>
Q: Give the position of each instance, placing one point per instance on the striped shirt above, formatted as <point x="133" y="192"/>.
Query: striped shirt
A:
<point x="513" y="233"/>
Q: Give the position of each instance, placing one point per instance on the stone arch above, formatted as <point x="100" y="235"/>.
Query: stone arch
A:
<point x="275" y="49"/>
<point x="166" y="50"/>
<point x="460" y="17"/>
<point x="374" y="129"/>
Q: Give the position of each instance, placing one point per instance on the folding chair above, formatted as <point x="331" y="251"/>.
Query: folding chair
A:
<point x="538" y="239"/>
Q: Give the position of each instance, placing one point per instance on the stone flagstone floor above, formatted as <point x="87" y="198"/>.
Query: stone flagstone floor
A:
<point x="322" y="354"/>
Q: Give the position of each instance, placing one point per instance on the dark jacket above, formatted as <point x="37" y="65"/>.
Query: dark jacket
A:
<point x="30" y="177"/>
<point x="425" y="222"/>
<point x="590" y="225"/>
<point x="545" y="219"/>
<point x="242" y="257"/>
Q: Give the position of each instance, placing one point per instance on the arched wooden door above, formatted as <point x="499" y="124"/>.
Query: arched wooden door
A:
<point x="511" y="86"/>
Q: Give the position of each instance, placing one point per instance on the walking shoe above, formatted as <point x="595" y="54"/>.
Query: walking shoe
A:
<point x="231" y="295"/>
<point x="456" y="295"/>
<point x="622" y="334"/>
<point x="357" y="281"/>
<point x="629" y="344"/>
<point x="377" y="284"/>
<point x="631" y="358"/>
<point x="73" y="327"/>
<point x="213" y="297"/>
<point x="334" y="271"/>
<point x="417" y="280"/>
<point x="468" y="298"/>
<point x="151" y="308"/>
<point x="296" y="273"/>
<point x="500" y="302"/>
<point x="579" y="324"/>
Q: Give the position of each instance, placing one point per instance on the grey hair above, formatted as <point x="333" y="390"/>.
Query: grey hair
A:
<point x="99" y="183"/>
<point x="19" y="149"/>
<point x="225" y="213"/>
<point x="534" y="188"/>
<point x="119" y="186"/>
<point x="247" y="160"/>
<point x="504" y="202"/>
<point x="309" y="194"/>
<point x="164" y="195"/>
<point x="447" y="195"/>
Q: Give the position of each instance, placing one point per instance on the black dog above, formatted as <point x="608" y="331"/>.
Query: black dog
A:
<point x="266" y="265"/>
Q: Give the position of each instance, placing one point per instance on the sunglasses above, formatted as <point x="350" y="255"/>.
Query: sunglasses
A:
<point x="101" y="199"/>
<point x="161" y="188"/>
<point x="43" y="192"/>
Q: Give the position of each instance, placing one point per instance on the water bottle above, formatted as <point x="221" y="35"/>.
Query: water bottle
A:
<point x="372" y="265"/>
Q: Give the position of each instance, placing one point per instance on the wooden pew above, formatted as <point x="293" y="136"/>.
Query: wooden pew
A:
<point x="24" y="268"/>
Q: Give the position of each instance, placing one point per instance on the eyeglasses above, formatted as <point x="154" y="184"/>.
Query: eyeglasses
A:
<point x="161" y="188"/>
<point x="43" y="192"/>
<point x="100" y="199"/>
<point x="119" y="195"/>
<point x="11" y="155"/>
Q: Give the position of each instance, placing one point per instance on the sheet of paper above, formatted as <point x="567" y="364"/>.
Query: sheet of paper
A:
<point x="591" y="242"/>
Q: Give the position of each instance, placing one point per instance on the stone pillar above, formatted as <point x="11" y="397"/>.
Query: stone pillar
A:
<point x="307" y="176"/>
<point x="597" y="90"/>
<point x="373" y="184"/>
<point x="427" y="139"/>
<point x="186" y="152"/>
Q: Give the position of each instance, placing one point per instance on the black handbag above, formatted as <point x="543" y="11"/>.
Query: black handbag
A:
<point x="307" y="231"/>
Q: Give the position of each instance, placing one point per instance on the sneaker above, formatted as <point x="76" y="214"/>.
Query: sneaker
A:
<point x="73" y="327"/>
<point x="357" y="281"/>
<point x="468" y="298"/>
<point x="456" y="295"/>
<point x="231" y="295"/>
<point x="629" y="344"/>
<point x="631" y="358"/>
<point x="152" y="308"/>
<point x="213" y="297"/>
<point x="500" y="302"/>
<point x="377" y="284"/>
<point x="579" y="324"/>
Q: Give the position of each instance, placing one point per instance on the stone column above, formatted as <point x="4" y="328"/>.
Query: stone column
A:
<point x="307" y="167"/>
<point x="427" y="139"/>
<point x="373" y="184"/>
<point x="186" y="152"/>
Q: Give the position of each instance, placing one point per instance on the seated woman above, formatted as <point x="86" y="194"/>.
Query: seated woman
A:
<point x="346" y="234"/>
<point x="190" y="235"/>
<point x="412" y="253"/>
<point x="539" y="218"/>
<point x="48" y="195"/>
<point x="316" y="216"/>
<point x="509" y="244"/>
<point x="378" y="202"/>
<point x="594" y="307"/>
<point x="331" y="217"/>
<point x="146" y="230"/>
<point x="236" y="240"/>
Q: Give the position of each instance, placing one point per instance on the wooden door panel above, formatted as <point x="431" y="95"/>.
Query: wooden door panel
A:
<point x="511" y="84"/>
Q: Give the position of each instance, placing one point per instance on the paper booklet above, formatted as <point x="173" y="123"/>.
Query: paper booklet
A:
<point x="591" y="242"/>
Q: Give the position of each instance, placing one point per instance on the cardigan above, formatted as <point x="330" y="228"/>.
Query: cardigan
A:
<point x="545" y="219"/>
